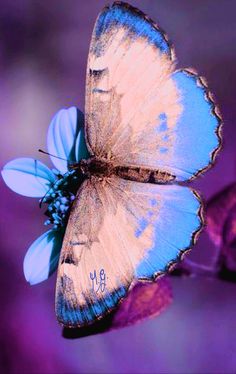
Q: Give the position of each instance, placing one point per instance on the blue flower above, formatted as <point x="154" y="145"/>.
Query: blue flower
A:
<point x="56" y="188"/>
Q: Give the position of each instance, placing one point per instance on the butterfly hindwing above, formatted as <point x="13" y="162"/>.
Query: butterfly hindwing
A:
<point x="139" y="111"/>
<point x="99" y="237"/>
<point x="116" y="233"/>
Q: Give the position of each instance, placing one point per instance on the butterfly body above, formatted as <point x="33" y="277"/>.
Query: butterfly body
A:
<point x="147" y="128"/>
<point x="94" y="167"/>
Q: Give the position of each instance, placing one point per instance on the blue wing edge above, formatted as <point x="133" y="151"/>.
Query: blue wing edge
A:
<point x="201" y="82"/>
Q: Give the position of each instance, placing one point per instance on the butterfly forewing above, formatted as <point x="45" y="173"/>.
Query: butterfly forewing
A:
<point x="138" y="110"/>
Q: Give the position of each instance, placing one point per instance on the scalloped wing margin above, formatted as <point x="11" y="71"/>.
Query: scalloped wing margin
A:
<point x="177" y="228"/>
<point x="198" y="129"/>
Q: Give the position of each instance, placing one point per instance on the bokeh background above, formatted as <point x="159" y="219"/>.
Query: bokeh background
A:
<point x="43" y="52"/>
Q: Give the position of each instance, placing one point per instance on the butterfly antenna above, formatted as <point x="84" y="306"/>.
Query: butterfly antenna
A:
<point x="71" y="163"/>
<point x="49" y="154"/>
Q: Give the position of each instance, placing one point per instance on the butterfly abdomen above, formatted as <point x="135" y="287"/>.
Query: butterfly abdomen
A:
<point x="143" y="175"/>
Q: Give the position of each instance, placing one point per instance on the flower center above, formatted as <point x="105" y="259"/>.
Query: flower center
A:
<point x="60" y="198"/>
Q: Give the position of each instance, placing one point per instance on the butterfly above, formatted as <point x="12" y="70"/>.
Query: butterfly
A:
<point x="148" y="128"/>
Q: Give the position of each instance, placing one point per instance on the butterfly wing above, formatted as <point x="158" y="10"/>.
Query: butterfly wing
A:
<point x="139" y="111"/>
<point x="117" y="232"/>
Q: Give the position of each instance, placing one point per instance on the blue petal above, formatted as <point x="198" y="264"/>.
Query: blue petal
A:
<point x="81" y="150"/>
<point x="62" y="136"/>
<point x="27" y="177"/>
<point x="41" y="259"/>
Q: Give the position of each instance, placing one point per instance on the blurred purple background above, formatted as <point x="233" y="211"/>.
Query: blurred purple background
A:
<point x="43" y="52"/>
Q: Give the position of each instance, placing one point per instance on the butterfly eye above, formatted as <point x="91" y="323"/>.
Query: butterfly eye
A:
<point x="84" y="167"/>
<point x="73" y="166"/>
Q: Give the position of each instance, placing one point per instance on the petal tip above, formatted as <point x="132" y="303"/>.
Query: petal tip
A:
<point x="27" y="177"/>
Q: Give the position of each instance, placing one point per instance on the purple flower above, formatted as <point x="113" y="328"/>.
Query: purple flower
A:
<point x="221" y="229"/>
<point x="221" y="222"/>
<point x="56" y="188"/>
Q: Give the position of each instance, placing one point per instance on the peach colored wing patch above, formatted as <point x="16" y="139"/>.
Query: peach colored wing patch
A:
<point x="139" y="111"/>
<point x="129" y="86"/>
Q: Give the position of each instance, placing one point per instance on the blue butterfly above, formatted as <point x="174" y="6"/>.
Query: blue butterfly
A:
<point x="147" y="128"/>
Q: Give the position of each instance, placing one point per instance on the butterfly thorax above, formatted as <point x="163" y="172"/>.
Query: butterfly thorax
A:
<point x="96" y="167"/>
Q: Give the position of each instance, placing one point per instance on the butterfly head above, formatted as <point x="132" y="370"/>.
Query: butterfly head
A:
<point x="84" y="167"/>
<point x="93" y="166"/>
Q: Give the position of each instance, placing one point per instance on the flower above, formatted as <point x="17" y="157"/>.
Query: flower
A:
<point x="56" y="188"/>
<point x="221" y="221"/>
<point x="220" y="215"/>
